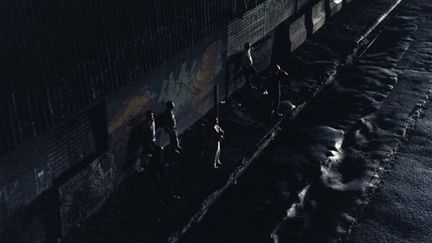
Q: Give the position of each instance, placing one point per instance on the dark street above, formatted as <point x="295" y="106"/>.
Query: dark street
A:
<point x="216" y="121"/>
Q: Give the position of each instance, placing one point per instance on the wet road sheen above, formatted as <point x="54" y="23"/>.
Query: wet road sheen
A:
<point x="330" y="163"/>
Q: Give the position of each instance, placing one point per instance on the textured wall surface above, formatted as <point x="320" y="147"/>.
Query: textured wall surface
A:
<point x="297" y="32"/>
<point x="83" y="194"/>
<point x="318" y="16"/>
<point x="30" y="171"/>
<point x="189" y="78"/>
<point x="189" y="81"/>
<point x="61" y="56"/>
<point x="258" y="22"/>
<point x="335" y="6"/>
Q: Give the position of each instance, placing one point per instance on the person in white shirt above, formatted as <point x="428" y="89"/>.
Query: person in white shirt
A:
<point x="248" y="69"/>
<point x="217" y="135"/>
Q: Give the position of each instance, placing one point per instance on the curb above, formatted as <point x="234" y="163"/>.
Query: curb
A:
<point x="254" y="152"/>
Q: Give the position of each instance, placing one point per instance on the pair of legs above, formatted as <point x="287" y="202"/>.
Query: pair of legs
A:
<point x="275" y="102"/>
<point x="174" y="141"/>
<point x="248" y="72"/>
<point x="216" y="160"/>
<point x="158" y="175"/>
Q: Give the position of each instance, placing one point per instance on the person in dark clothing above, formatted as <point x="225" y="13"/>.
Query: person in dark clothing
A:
<point x="168" y="121"/>
<point x="142" y="144"/>
<point x="142" y="141"/>
<point x="248" y="69"/>
<point x="276" y="75"/>
<point x="156" y="166"/>
<point x="147" y="134"/>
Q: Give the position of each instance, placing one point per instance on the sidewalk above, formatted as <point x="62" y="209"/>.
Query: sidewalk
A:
<point x="134" y="213"/>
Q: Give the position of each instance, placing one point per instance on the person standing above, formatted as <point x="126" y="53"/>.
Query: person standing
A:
<point x="277" y="74"/>
<point x="142" y="139"/>
<point x="148" y="135"/>
<point x="153" y="152"/>
<point x="156" y="166"/>
<point x="248" y="69"/>
<point x="217" y="135"/>
<point x="169" y="123"/>
<point x="142" y="143"/>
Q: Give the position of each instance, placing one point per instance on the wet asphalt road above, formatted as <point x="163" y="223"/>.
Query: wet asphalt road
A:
<point x="400" y="211"/>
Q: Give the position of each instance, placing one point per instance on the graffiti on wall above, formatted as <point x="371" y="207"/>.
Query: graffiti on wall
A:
<point x="83" y="194"/>
<point x="190" y="85"/>
<point x="9" y="195"/>
<point x="192" y="89"/>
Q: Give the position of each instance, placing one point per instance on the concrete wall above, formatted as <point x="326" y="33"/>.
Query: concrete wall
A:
<point x="297" y="32"/>
<point x="257" y="23"/>
<point x="32" y="170"/>
<point x="189" y="79"/>
<point x="334" y="6"/>
<point x="318" y="16"/>
<point x="311" y="21"/>
<point x="83" y="194"/>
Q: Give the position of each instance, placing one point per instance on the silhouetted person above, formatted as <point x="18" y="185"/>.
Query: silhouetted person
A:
<point x="248" y="69"/>
<point x="142" y="143"/>
<point x="216" y="136"/>
<point x="168" y="122"/>
<point x="276" y="75"/>
<point x="142" y="139"/>
<point x="156" y="167"/>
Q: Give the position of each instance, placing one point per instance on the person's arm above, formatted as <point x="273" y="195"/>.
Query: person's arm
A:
<point x="284" y="73"/>
<point x="222" y="133"/>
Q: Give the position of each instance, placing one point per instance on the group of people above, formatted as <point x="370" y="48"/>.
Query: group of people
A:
<point x="142" y="139"/>
<point x="143" y="145"/>
<point x="273" y="81"/>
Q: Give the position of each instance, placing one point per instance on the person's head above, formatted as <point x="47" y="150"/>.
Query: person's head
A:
<point x="246" y="45"/>
<point x="170" y="105"/>
<point x="149" y="115"/>
<point x="276" y="68"/>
